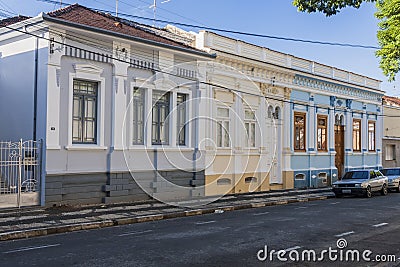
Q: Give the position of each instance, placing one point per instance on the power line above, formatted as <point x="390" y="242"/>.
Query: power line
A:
<point x="6" y="13"/>
<point x="232" y="31"/>
<point x="206" y="83"/>
<point x="6" y="6"/>
<point x="166" y="10"/>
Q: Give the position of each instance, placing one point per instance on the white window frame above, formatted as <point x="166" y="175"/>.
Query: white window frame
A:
<point x="186" y="126"/>
<point x="250" y="132"/>
<point x="371" y="143"/>
<point x="392" y="152"/>
<point x="169" y="119"/>
<point x="221" y="121"/>
<point x="90" y="73"/>
<point x="148" y="87"/>
<point x="145" y="115"/>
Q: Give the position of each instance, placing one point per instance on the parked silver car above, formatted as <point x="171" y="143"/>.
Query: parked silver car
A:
<point x="393" y="175"/>
<point x="361" y="182"/>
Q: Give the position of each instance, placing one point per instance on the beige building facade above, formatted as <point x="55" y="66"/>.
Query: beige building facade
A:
<point x="391" y="130"/>
<point x="247" y="98"/>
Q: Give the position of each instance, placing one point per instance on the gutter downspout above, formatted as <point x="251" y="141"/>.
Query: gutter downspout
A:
<point x="40" y="144"/>
<point x="35" y="88"/>
<point x="112" y="132"/>
<point x="196" y="133"/>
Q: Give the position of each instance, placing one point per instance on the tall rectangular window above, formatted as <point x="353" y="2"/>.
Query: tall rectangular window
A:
<point x="181" y="119"/>
<point x="160" y="112"/>
<point x="223" y="127"/>
<point x="250" y="125"/>
<point x="138" y="116"/>
<point x="371" y="136"/>
<point x="322" y="133"/>
<point x="390" y="152"/>
<point x="356" y="135"/>
<point x="84" y="117"/>
<point x="300" y="131"/>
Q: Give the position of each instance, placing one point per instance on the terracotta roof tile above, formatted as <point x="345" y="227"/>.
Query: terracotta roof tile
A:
<point x="391" y="100"/>
<point x="12" y="20"/>
<point x="83" y="15"/>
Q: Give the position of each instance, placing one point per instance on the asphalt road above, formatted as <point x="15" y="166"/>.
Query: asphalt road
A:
<point x="228" y="239"/>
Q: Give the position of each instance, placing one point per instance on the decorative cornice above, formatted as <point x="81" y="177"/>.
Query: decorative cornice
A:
<point x="337" y="89"/>
<point x="253" y="70"/>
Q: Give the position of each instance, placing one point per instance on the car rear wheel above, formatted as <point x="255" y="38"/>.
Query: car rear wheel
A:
<point x="384" y="190"/>
<point x="368" y="192"/>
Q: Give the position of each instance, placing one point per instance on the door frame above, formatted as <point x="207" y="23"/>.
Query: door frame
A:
<point x="339" y="129"/>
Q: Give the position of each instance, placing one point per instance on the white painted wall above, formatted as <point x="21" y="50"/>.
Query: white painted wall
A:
<point x="17" y="85"/>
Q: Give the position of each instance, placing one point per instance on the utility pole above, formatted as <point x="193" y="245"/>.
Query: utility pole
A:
<point x="116" y="8"/>
<point x="154" y="6"/>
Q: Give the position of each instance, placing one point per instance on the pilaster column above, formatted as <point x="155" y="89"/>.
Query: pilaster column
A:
<point x="331" y="129"/>
<point x="348" y="132"/>
<point x="120" y="88"/>
<point x="379" y="135"/>
<point x="54" y="87"/>
<point x="364" y="130"/>
<point x="287" y="131"/>
<point x="310" y="131"/>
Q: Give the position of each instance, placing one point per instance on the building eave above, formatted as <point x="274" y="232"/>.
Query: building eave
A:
<point x="128" y="37"/>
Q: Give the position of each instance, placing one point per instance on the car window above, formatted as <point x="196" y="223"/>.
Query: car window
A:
<point x="356" y="175"/>
<point x="378" y="173"/>
<point x="391" y="172"/>
<point x="372" y="174"/>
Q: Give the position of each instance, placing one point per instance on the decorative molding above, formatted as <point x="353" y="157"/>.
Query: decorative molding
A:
<point x="58" y="74"/>
<point x="121" y="51"/>
<point x="336" y="89"/>
<point x="87" y="68"/>
<point x="287" y="92"/>
<point x="86" y="54"/>
<point x="252" y="70"/>
<point x="332" y="101"/>
<point x="348" y="103"/>
<point x="261" y="55"/>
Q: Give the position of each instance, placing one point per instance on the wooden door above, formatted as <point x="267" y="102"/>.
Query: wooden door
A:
<point x="339" y="148"/>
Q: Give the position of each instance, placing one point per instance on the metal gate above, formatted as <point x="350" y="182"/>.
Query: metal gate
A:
<point x="20" y="173"/>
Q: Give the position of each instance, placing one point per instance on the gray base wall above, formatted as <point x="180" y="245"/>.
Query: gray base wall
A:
<point x="81" y="189"/>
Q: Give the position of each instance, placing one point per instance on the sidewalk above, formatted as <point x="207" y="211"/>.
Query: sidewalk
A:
<point x="37" y="221"/>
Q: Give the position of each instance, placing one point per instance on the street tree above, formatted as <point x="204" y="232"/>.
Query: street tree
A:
<point x="388" y="13"/>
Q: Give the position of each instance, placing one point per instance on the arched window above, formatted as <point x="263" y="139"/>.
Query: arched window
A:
<point x="339" y="119"/>
<point x="277" y="114"/>
<point x="270" y="112"/>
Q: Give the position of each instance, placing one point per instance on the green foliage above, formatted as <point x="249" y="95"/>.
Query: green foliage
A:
<point x="389" y="36"/>
<point x="328" y="7"/>
<point x="388" y="12"/>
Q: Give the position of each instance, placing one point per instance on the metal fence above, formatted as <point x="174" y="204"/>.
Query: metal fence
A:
<point x="20" y="173"/>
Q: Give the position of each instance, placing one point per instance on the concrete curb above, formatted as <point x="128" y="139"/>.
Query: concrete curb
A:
<point x="20" y="234"/>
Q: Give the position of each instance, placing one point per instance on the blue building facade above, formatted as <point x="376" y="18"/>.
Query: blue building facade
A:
<point x="335" y="126"/>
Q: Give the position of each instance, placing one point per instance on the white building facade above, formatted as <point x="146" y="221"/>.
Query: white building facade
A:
<point x="116" y="106"/>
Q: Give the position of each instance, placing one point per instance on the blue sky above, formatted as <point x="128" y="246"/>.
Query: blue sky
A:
<point x="270" y="17"/>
